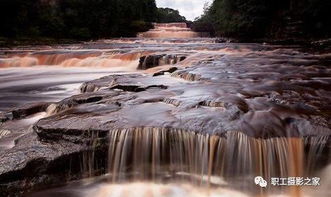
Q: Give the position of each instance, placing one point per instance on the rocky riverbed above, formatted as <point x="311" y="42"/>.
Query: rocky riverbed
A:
<point x="191" y="106"/>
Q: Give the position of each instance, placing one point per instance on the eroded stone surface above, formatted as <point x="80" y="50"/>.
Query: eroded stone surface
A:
<point x="34" y="164"/>
<point x="262" y="94"/>
<point x="147" y="62"/>
<point x="261" y="91"/>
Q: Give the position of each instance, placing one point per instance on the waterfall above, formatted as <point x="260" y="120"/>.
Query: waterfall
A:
<point x="4" y="133"/>
<point x="140" y="154"/>
<point x="169" y="30"/>
<point x="74" y="59"/>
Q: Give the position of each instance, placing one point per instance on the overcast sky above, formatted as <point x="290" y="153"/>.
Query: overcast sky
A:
<point x="188" y="8"/>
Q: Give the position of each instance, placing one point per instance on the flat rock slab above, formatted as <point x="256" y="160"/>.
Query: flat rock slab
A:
<point x="278" y="93"/>
<point x="259" y="91"/>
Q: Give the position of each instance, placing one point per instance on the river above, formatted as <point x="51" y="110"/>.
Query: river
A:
<point x="170" y="113"/>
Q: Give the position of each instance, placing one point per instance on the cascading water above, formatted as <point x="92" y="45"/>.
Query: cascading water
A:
<point x="193" y="124"/>
<point x="170" y="30"/>
<point x="161" y="162"/>
<point x="101" y="59"/>
<point x="155" y="154"/>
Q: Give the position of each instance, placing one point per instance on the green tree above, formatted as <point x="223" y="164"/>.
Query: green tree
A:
<point x="168" y="15"/>
<point x="78" y="19"/>
<point x="266" y="18"/>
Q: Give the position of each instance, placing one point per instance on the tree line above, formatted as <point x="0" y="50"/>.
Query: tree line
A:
<point x="80" y="19"/>
<point x="266" y="18"/>
<point x="168" y="15"/>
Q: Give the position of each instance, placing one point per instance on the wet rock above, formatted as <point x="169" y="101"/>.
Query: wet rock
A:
<point x="262" y="93"/>
<point x="88" y="88"/>
<point x="103" y="82"/>
<point x="221" y="40"/>
<point x="217" y="96"/>
<point x="322" y="44"/>
<point x="162" y="72"/>
<point x="34" y="165"/>
<point x="147" y="62"/>
<point x="187" y="75"/>
<point x="192" y="107"/>
<point x="5" y="117"/>
<point x="221" y="95"/>
<point x="29" y="109"/>
<point x="77" y="100"/>
<point x="48" y="131"/>
<point x="226" y="40"/>
<point x="133" y="88"/>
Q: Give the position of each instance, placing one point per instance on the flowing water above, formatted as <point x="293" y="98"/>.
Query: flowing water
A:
<point x="20" y="86"/>
<point x="165" y="162"/>
<point x="172" y="30"/>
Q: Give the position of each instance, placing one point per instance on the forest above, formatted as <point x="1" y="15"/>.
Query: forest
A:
<point x="168" y="15"/>
<point x="78" y="19"/>
<point x="95" y="19"/>
<point x="267" y="18"/>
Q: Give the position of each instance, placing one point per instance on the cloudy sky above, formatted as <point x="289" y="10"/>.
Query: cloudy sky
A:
<point x="188" y="8"/>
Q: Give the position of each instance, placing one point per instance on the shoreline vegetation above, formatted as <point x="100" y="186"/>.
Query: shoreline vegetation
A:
<point x="66" y="21"/>
<point x="254" y="19"/>
<point x="75" y="19"/>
